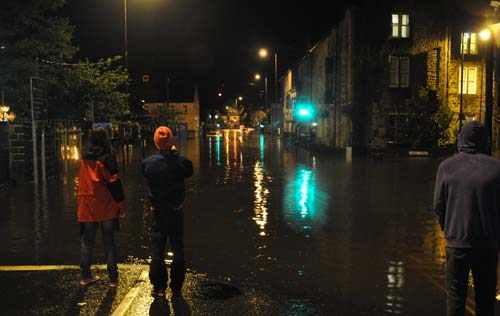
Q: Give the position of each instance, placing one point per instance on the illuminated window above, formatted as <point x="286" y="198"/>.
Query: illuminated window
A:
<point x="468" y="44"/>
<point x="399" y="72"/>
<point x="172" y="108"/>
<point x="185" y="109"/>
<point x="400" y="25"/>
<point x="469" y="85"/>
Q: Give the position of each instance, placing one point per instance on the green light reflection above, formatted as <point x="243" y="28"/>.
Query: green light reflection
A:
<point x="304" y="201"/>
<point x="218" y="151"/>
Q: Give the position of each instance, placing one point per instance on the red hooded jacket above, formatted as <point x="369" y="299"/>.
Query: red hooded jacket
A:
<point x="99" y="188"/>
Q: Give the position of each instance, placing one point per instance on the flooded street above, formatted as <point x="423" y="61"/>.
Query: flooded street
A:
<point x="342" y="238"/>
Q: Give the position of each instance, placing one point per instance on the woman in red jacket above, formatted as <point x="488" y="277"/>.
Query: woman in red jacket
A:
<point x="100" y="203"/>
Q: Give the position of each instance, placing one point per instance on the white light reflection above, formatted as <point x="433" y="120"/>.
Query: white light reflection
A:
<point x="395" y="282"/>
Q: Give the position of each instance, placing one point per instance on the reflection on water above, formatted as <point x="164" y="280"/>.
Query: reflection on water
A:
<point x="395" y="282"/>
<point x="372" y="229"/>
<point x="304" y="201"/>
<point x="261" y="194"/>
<point x="70" y="152"/>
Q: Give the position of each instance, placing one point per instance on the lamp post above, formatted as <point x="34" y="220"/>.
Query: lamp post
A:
<point x="263" y="53"/>
<point x="464" y="41"/>
<point x="240" y="98"/>
<point x="258" y="77"/>
<point x="126" y="33"/>
<point x="485" y="36"/>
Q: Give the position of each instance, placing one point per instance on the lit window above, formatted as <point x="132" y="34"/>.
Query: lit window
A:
<point x="469" y="85"/>
<point x="468" y="43"/>
<point x="399" y="72"/>
<point x="185" y="109"/>
<point x="400" y="25"/>
<point x="172" y="108"/>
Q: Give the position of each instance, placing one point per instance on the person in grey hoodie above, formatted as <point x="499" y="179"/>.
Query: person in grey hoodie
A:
<point x="467" y="204"/>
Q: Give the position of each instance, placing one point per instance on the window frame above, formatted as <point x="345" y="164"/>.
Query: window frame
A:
<point x="399" y="71"/>
<point x="469" y="46"/>
<point x="399" y="26"/>
<point x="468" y="83"/>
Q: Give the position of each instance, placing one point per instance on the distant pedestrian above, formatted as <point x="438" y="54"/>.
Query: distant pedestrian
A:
<point x="165" y="173"/>
<point x="100" y="203"/>
<point x="467" y="203"/>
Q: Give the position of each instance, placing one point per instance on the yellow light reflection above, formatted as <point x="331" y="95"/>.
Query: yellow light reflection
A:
<point x="261" y="195"/>
<point x="70" y="153"/>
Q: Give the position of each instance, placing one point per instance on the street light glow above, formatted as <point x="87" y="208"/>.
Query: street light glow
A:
<point x="257" y="76"/>
<point x="240" y="98"/>
<point x="263" y="53"/>
<point x="220" y="94"/>
<point x="485" y="34"/>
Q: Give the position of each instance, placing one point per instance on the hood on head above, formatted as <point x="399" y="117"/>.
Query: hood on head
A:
<point x="473" y="138"/>
<point x="163" y="138"/>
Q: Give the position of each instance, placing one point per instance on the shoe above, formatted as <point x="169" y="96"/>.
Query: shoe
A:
<point x="113" y="284"/>
<point x="158" y="293"/>
<point x="89" y="280"/>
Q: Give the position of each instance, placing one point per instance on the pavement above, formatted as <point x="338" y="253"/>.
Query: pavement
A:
<point x="55" y="290"/>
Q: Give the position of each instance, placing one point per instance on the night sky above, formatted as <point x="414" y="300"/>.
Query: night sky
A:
<point x="204" y="42"/>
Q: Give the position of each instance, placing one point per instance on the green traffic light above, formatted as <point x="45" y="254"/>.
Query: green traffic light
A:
<point x="305" y="111"/>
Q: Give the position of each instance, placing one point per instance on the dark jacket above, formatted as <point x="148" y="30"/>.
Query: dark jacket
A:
<point x="467" y="193"/>
<point x="165" y="173"/>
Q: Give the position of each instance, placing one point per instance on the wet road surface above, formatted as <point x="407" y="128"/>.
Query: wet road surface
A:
<point x="313" y="232"/>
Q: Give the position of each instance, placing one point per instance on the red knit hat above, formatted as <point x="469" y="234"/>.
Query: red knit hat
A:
<point x="164" y="139"/>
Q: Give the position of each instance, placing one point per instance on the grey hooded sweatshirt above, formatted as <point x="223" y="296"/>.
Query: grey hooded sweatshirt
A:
<point x="467" y="193"/>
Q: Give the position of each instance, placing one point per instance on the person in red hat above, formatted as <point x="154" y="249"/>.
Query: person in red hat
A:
<point x="100" y="203"/>
<point x="165" y="172"/>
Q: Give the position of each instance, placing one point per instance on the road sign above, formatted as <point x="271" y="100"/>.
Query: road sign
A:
<point x="102" y="125"/>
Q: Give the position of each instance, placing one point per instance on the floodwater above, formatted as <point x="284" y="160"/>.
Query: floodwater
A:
<point x="356" y="238"/>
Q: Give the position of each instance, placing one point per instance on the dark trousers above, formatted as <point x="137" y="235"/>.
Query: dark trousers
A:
<point x="87" y="237"/>
<point x="483" y="263"/>
<point x="167" y="224"/>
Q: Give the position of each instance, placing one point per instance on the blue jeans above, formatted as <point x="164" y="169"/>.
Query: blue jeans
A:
<point x="87" y="238"/>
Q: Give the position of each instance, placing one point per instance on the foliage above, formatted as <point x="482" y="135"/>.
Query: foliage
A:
<point x="28" y="33"/>
<point x="99" y="86"/>
<point x="427" y="121"/>
<point x="37" y="42"/>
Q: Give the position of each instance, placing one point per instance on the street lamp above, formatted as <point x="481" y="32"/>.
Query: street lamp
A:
<point x="258" y="77"/>
<point x="263" y="53"/>
<point x="485" y="36"/>
<point x="464" y="39"/>
<point x="236" y="101"/>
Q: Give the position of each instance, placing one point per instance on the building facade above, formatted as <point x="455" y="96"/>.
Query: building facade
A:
<point x="388" y="74"/>
<point x="186" y="114"/>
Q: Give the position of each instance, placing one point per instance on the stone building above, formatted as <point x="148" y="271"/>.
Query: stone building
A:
<point x="187" y="112"/>
<point x="386" y="69"/>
